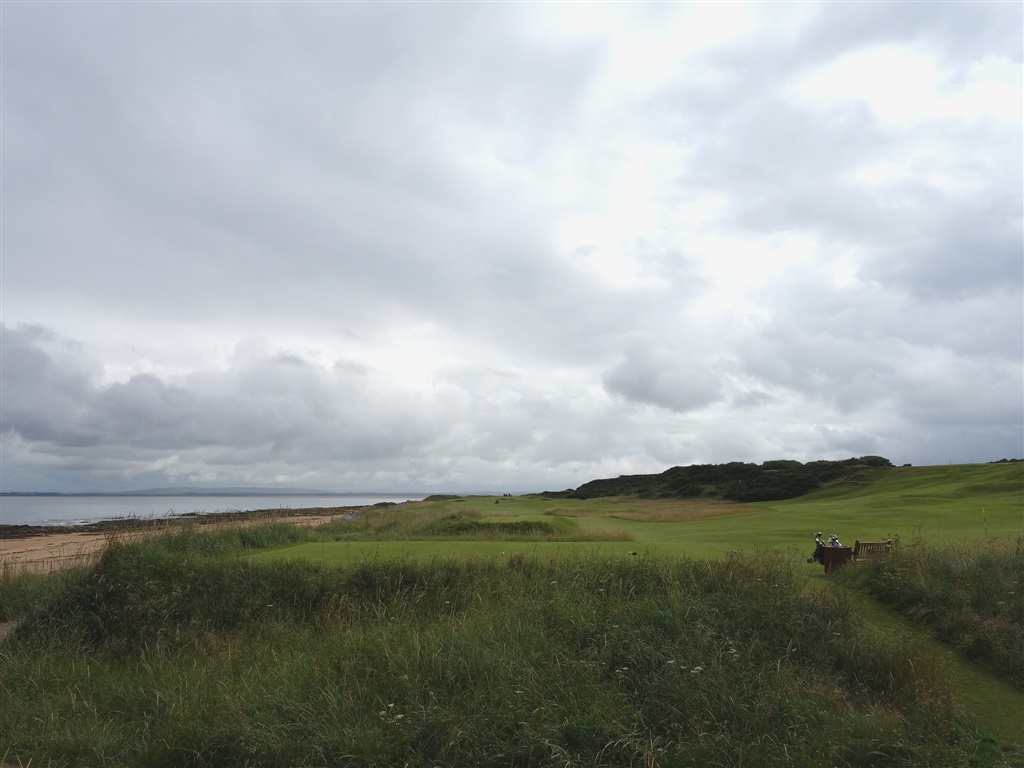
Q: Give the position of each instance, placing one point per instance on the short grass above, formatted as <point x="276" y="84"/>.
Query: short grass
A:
<point x="968" y="502"/>
<point x="955" y="503"/>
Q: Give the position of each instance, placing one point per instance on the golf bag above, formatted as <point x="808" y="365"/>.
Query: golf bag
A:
<point x="819" y="550"/>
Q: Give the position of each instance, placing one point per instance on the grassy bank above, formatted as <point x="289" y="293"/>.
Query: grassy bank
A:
<point x="970" y="595"/>
<point x="965" y="502"/>
<point x="177" y="652"/>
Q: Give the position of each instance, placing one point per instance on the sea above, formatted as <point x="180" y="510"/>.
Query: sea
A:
<point x="80" y="510"/>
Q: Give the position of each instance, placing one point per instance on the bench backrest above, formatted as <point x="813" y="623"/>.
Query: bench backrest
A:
<point x="836" y="557"/>
<point x="864" y="549"/>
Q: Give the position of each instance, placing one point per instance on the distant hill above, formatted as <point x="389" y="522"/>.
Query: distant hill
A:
<point x="185" y="490"/>
<point x="735" y="481"/>
<point x="229" y="491"/>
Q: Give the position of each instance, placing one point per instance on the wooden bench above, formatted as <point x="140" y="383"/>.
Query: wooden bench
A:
<point x="836" y="557"/>
<point x="866" y="550"/>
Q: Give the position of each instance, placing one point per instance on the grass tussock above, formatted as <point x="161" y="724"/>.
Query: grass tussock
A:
<point x="970" y="595"/>
<point x="20" y="592"/>
<point x="175" y="651"/>
<point x="458" y="522"/>
<point x="655" y="510"/>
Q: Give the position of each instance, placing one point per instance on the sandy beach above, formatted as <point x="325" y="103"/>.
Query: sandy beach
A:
<point x="39" y="549"/>
<point x="41" y="553"/>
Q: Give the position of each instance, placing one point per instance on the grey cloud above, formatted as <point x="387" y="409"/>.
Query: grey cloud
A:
<point x="971" y="392"/>
<point x="278" y="415"/>
<point x="918" y="370"/>
<point x="752" y="398"/>
<point x="45" y="381"/>
<point x="887" y="383"/>
<point x="787" y="166"/>
<point x="855" y="442"/>
<point x="665" y="376"/>
<point x="791" y="169"/>
<point x="230" y="197"/>
<point x="954" y="28"/>
<point x="844" y="373"/>
<point x="882" y="315"/>
<point x="860" y="374"/>
<point x="958" y="257"/>
<point x="277" y="406"/>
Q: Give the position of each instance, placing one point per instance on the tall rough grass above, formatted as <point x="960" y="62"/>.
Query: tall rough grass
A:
<point x="456" y="521"/>
<point x="20" y="592"/>
<point x="169" y="653"/>
<point x="970" y="595"/>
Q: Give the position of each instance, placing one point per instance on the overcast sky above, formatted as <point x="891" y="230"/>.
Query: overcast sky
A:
<point x="464" y="246"/>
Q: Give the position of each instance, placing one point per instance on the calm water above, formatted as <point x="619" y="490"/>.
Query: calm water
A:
<point x="77" y="510"/>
